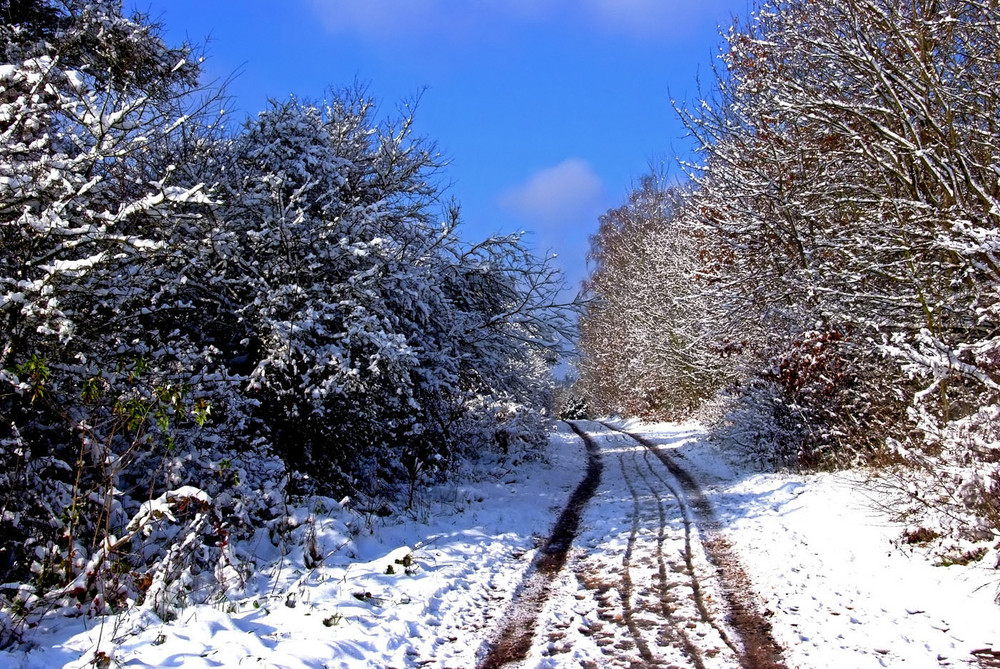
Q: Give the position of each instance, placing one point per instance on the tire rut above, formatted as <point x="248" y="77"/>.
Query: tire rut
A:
<point x="627" y="589"/>
<point x="695" y="584"/>
<point x="758" y="649"/>
<point x="661" y="602"/>
<point x="674" y="631"/>
<point x="513" y="641"/>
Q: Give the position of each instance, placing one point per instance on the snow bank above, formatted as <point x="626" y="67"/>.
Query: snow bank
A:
<point x="823" y="557"/>
<point x="826" y="560"/>
<point x="421" y="589"/>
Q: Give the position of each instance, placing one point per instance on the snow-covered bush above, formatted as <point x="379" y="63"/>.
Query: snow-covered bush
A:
<point x="370" y="329"/>
<point x="958" y="473"/>
<point x="195" y="324"/>
<point x="573" y="406"/>
<point x="108" y="396"/>
<point x="757" y="422"/>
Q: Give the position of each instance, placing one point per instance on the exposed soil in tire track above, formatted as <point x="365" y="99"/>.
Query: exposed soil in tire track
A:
<point x="759" y="649"/>
<point x="674" y="631"/>
<point x="627" y="594"/>
<point x="513" y="641"/>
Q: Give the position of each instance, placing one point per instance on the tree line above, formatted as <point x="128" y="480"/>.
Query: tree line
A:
<point x="198" y="321"/>
<point x="825" y="274"/>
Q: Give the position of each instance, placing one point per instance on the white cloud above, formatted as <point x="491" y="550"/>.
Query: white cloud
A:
<point x="568" y="193"/>
<point x="379" y="19"/>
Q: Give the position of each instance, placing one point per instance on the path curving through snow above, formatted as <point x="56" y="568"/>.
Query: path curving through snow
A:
<point x="431" y="588"/>
<point x="648" y="583"/>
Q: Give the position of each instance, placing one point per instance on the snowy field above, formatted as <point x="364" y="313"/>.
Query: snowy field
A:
<point x="428" y="589"/>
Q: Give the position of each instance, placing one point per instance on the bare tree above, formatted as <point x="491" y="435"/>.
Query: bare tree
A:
<point x="849" y="167"/>
<point x="651" y="344"/>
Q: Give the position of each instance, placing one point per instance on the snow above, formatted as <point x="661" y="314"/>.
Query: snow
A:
<point x="826" y="560"/>
<point x="821" y="553"/>
<point x="842" y="593"/>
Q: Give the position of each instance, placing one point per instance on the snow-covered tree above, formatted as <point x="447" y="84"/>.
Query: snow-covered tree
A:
<point x="190" y="315"/>
<point x="107" y="398"/>
<point x="370" y="330"/>
<point x="849" y="165"/>
<point x="651" y="342"/>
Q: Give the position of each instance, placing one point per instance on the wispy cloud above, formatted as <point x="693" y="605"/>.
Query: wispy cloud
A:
<point x="379" y="19"/>
<point x="560" y="206"/>
<point x="647" y="18"/>
<point x="558" y="195"/>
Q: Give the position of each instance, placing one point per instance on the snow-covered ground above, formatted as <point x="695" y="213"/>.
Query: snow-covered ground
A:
<point x="825" y="558"/>
<point x="427" y="590"/>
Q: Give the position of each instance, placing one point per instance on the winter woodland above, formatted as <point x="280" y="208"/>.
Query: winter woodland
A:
<point x="824" y="278"/>
<point x="205" y="322"/>
<point x="201" y="321"/>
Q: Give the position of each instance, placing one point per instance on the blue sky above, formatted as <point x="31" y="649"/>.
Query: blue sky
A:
<point x="549" y="110"/>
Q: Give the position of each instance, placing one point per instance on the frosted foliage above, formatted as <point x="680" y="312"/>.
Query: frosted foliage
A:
<point x="832" y="264"/>
<point x="371" y="329"/>
<point x="849" y="182"/>
<point x="198" y="322"/>
<point x="108" y="395"/>
<point x="650" y="339"/>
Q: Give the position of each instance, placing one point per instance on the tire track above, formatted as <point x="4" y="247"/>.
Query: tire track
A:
<point x="628" y="611"/>
<point x="651" y="597"/>
<point x="757" y="649"/>
<point x="513" y="641"/>
<point x="675" y="628"/>
<point x="695" y="584"/>
<point x="673" y="631"/>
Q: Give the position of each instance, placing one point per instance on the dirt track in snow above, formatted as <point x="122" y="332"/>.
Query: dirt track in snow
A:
<point x="513" y="641"/>
<point x="661" y="589"/>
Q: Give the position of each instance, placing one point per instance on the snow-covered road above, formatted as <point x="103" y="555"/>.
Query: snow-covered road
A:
<point x="433" y="590"/>
<point x="641" y="586"/>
